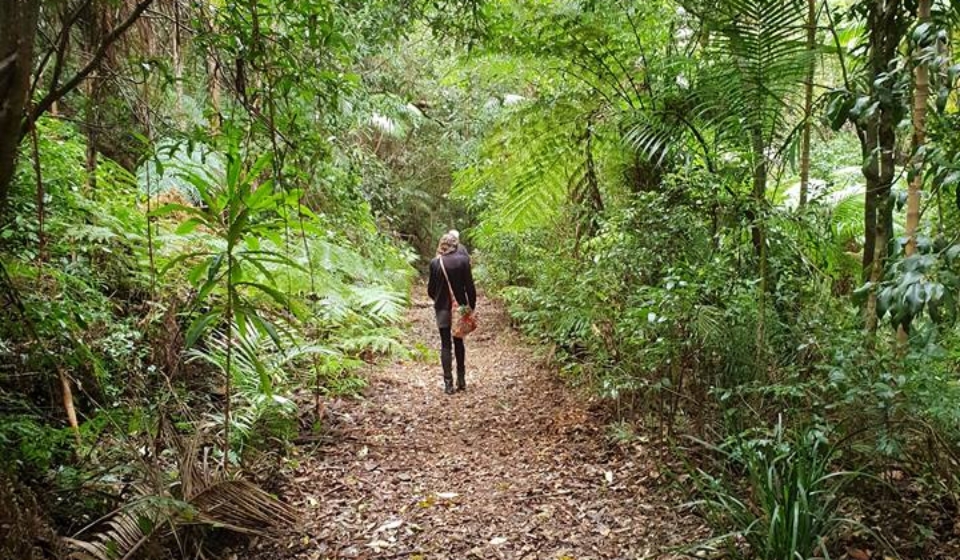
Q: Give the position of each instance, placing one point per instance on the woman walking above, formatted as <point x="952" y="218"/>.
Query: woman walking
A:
<point x="451" y="286"/>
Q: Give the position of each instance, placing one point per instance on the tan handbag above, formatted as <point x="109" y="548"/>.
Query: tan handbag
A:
<point x="466" y="321"/>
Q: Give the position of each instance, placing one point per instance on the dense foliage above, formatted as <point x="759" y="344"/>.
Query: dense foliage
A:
<point x="733" y="220"/>
<point x="727" y="254"/>
<point x="195" y="257"/>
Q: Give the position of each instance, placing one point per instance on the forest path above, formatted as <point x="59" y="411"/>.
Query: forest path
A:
<point x="516" y="467"/>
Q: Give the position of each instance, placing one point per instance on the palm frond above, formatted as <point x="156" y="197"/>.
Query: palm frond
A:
<point x="202" y="494"/>
<point x="761" y="57"/>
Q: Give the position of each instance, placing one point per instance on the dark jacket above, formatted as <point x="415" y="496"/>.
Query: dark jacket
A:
<point x="461" y="280"/>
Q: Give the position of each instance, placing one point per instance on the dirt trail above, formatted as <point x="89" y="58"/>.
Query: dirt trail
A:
<point x="516" y="467"/>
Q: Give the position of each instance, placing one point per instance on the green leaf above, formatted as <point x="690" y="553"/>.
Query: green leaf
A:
<point x="261" y="197"/>
<point x="206" y="289"/>
<point x="215" y="266"/>
<point x="180" y="258"/>
<point x="237" y="226"/>
<point x="172" y="207"/>
<point x="200" y="325"/>
<point x="258" y="265"/>
<point x="268" y="328"/>
<point x="270" y="291"/>
<point x="197" y="271"/>
<point x="189" y="226"/>
<point x="204" y="188"/>
<point x="915" y="297"/>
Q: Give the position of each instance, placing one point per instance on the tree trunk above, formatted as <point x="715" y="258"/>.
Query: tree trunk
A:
<point x="93" y="36"/>
<point x="213" y="90"/>
<point x="921" y="91"/>
<point x="869" y="223"/>
<point x="879" y="141"/>
<point x="92" y="126"/>
<point x="808" y="103"/>
<point x="758" y="233"/>
<point x="18" y="28"/>
<point x="177" y="55"/>
<point x="876" y="272"/>
<point x="41" y="198"/>
<point x="759" y="192"/>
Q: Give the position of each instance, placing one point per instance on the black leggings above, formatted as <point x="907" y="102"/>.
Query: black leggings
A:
<point x="447" y="343"/>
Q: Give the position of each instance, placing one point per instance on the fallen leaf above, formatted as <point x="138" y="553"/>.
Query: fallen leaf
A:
<point x="395" y="524"/>
<point x="447" y="495"/>
<point x="497" y="541"/>
<point x="378" y="544"/>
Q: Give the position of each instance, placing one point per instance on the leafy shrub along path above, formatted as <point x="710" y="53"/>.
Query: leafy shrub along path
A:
<point x="516" y="467"/>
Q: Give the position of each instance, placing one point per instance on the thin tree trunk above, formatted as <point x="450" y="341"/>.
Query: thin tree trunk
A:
<point x="92" y="124"/>
<point x="867" y="141"/>
<point x="808" y="103"/>
<point x="177" y="55"/>
<point x="921" y="92"/>
<point x="759" y="192"/>
<point x="229" y="378"/>
<point x="760" y="245"/>
<point x="18" y="29"/>
<point x="213" y="90"/>
<point x="876" y="272"/>
<point x="41" y="196"/>
<point x="148" y="125"/>
<point x="879" y="138"/>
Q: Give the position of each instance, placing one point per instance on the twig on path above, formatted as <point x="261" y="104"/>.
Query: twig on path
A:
<point x="545" y="495"/>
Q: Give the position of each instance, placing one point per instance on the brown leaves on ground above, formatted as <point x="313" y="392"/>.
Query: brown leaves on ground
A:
<point x="516" y="467"/>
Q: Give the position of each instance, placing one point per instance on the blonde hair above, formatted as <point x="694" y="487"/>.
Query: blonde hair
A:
<point x="448" y="244"/>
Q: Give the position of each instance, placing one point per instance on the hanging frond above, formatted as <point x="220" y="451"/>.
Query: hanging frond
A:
<point x="761" y="57"/>
<point x="652" y="134"/>
<point x="528" y="166"/>
<point x="382" y="303"/>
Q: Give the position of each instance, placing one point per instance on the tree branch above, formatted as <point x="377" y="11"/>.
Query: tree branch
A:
<point x="58" y="93"/>
<point x="8" y="62"/>
<point x="59" y="47"/>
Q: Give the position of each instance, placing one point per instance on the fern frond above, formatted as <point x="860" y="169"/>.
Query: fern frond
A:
<point x="382" y="303"/>
<point x="762" y="57"/>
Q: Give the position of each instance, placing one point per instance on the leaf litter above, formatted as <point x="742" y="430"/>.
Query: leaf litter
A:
<point x="516" y="467"/>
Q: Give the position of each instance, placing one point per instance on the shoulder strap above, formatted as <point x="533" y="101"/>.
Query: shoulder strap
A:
<point x="453" y="300"/>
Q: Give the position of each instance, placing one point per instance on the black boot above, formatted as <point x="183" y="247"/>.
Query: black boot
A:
<point x="461" y="352"/>
<point x="447" y="376"/>
<point x="446" y="360"/>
